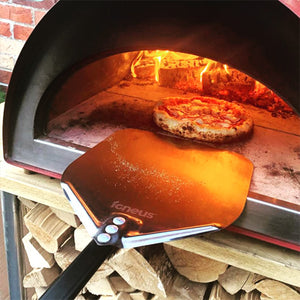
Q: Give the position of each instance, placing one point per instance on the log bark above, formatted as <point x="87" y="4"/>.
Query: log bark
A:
<point x="193" y="266"/>
<point x="233" y="279"/>
<point x="38" y="257"/>
<point x="46" y="228"/>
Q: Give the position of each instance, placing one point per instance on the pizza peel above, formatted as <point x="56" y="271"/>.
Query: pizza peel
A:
<point x="138" y="188"/>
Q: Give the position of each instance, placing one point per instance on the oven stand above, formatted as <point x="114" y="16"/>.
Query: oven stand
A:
<point x="13" y="232"/>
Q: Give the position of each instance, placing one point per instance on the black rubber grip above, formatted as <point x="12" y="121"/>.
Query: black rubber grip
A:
<point x="74" y="278"/>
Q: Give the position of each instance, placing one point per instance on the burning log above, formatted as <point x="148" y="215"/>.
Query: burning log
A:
<point x="177" y="73"/>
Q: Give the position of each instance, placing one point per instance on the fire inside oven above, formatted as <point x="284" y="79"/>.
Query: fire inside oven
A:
<point x="121" y="91"/>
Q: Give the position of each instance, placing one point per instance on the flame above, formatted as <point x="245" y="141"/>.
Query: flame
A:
<point x="259" y="87"/>
<point x="135" y="63"/>
<point x="226" y="69"/>
<point x="201" y="74"/>
<point x="157" y="56"/>
<point x="157" y="67"/>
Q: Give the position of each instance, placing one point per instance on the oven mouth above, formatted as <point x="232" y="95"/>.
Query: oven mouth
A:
<point x="120" y="91"/>
<point x="92" y="100"/>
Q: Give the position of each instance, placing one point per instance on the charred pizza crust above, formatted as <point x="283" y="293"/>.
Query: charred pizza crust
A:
<point x="203" y="118"/>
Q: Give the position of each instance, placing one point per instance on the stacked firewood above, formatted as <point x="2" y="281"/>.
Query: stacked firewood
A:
<point x="157" y="272"/>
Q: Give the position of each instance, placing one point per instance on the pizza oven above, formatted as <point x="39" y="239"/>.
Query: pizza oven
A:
<point x="89" y="70"/>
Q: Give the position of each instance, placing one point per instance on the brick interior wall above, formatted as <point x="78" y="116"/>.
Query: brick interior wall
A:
<point x="17" y="20"/>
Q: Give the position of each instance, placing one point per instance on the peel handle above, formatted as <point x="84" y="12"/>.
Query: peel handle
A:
<point x="75" y="277"/>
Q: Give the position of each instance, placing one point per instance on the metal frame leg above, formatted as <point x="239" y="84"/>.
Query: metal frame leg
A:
<point x="12" y="228"/>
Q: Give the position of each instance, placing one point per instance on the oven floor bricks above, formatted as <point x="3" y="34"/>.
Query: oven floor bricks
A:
<point x="17" y="20"/>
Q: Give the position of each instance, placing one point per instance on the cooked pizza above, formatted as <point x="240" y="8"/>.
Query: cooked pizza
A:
<point x="203" y="118"/>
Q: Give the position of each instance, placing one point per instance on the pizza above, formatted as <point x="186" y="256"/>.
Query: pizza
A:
<point x="203" y="118"/>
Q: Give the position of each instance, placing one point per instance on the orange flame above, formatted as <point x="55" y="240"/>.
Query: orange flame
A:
<point x="135" y="63"/>
<point x="201" y="74"/>
<point x="226" y="69"/>
<point x="157" y="67"/>
<point x="157" y="56"/>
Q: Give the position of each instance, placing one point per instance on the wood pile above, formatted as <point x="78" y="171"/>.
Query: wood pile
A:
<point x="157" y="272"/>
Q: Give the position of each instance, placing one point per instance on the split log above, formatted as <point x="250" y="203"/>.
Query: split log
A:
<point x="149" y="271"/>
<point x="193" y="266"/>
<point x="34" y="297"/>
<point x="265" y="297"/>
<point x="251" y="282"/>
<point x="120" y="284"/>
<point x="120" y="296"/>
<point x="39" y="291"/>
<point x="218" y="293"/>
<point x="139" y="295"/>
<point x="254" y="295"/>
<point x="145" y="70"/>
<point x="26" y="202"/>
<point x="277" y="290"/>
<point x="174" y="72"/>
<point x="123" y="296"/>
<point x="38" y="257"/>
<point x="46" y="227"/>
<point x="233" y="279"/>
<point x="185" y="289"/>
<point x="67" y="217"/>
<point x="41" y="277"/>
<point x="66" y="254"/>
<point x="100" y="286"/>
<point x="81" y="238"/>
<point x="79" y="297"/>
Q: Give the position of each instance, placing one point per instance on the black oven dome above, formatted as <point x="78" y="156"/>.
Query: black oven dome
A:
<point x="247" y="35"/>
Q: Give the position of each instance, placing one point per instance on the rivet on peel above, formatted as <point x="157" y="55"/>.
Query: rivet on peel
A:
<point x="103" y="238"/>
